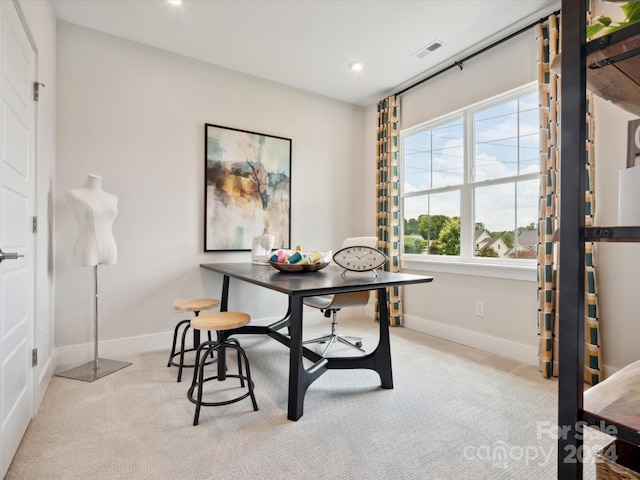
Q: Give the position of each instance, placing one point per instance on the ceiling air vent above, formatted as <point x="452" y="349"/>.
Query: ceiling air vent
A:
<point x="432" y="47"/>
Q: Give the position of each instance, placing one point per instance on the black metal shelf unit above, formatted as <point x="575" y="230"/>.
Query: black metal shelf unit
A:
<point x="612" y="234"/>
<point x="571" y="416"/>
<point x="606" y="426"/>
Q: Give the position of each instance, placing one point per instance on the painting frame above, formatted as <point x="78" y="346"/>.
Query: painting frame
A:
<point x="247" y="188"/>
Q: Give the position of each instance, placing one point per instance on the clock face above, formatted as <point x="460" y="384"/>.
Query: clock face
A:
<point x="360" y="259"/>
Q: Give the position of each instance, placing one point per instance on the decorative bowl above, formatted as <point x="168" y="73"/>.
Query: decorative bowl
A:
<point x="295" y="268"/>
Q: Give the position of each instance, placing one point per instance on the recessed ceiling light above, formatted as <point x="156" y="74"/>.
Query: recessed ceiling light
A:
<point x="357" y="66"/>
<point x="175" y="2"/>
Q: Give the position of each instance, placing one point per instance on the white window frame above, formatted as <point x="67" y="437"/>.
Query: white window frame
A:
<point x="467" y="263"/>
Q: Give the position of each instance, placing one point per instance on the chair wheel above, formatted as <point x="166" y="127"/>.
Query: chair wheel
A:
<point x="358" y="344"/>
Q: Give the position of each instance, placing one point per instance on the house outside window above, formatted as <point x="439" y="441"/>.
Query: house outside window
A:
<point x="470" y="182"/>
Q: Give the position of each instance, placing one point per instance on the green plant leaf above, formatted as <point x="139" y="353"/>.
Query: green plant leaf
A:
<point x="606" y="26"/>
<point x="593" y="29"/>
<point x="606" y="21"/>
<point x="632" y="11"/>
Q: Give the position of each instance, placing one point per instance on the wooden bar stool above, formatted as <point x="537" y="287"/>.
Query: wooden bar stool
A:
<point x="195" y="305"/>
<point x="219" y="322"/>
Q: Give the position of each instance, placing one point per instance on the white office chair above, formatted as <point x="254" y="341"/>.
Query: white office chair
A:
<point x="330" y="304"/>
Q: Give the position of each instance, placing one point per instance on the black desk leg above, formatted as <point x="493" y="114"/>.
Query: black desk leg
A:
<point x="299" y="378"/>
<point x="224" y="300"/>
<point x="383" y="351"/>
<point x="196" y="338"/>
<point x="222" y="357"/>
<point x="297" y="375"/>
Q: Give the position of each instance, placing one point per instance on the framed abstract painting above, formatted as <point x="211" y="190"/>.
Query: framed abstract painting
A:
<point x="247" y="188"/>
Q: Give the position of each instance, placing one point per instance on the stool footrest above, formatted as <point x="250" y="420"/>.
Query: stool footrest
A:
<point x="172" y="363"/>
<point x="222" y="402"/>
<point x="195" y="392"/>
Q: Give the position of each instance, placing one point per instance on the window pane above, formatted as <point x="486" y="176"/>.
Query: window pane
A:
<point x="499" y="144"/>
<point x="495" y="216"/>
<point x="527" y="216"/>
<point x="448" y="154"/>
<point x="497" y="111"/>
<point x="496" y="142"/>
<point x="444" y="211"/>
<point x="529" y="134"/>
<point x="417" y="162"/>
<point x="434" y="158"/>
<point x="432" y="224"/>
<point x="416" y="225"/>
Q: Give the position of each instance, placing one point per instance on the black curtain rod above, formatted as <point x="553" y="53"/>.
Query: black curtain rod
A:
<point x="475" y="54"/>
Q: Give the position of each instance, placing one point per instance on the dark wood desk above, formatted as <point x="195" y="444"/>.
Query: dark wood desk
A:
<point x="299" y="285"/>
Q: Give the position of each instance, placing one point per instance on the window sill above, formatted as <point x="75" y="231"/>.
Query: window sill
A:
<point x="525" y="270"/>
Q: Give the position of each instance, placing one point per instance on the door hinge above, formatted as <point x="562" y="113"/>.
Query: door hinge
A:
<point x="34" y="357"/>
<point x="34" y="225"/>
<point x="36" y="90"/>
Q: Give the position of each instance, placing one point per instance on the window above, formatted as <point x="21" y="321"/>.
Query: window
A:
<point x="470" y="182"/>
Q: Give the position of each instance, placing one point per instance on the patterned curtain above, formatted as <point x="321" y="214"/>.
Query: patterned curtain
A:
<point x="388" y="190"/>
<point x="592" y="350"/>
<point x="548" y="41"/>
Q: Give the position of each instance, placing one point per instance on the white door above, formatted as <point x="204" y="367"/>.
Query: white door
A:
<point x="17" y="67"/>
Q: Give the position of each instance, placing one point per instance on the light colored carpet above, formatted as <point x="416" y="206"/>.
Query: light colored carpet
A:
<point x="455" y="412"/>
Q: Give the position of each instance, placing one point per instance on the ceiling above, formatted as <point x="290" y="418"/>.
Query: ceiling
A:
<point x="309" y="44"/>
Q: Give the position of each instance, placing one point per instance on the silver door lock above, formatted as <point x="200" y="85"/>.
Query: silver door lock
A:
<point x="9" y="256"/>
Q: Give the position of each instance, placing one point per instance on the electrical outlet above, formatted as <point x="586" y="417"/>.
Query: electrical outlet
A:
<point x="479" y="309"/>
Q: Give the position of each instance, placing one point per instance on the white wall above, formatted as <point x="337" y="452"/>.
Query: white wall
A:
<point x="135" y="115"/>
<point x="507" y="66"/>
<point x="41" y="23"/>
<point x="617" y="263"/>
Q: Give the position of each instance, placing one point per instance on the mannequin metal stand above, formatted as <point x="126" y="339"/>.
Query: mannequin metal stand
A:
<point x="99" y="367"/>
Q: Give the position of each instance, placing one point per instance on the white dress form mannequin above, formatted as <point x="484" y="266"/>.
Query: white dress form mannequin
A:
<point x="95" y="210"/>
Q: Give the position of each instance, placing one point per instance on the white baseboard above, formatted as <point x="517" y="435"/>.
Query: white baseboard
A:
<point x="46" y="372"/>
<point x="499" y="346"/>
<point x="44" y="377"/>
<point x="120" y="348"/>
<point x="123" y="348"/>
<point x="127" y="347"/>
